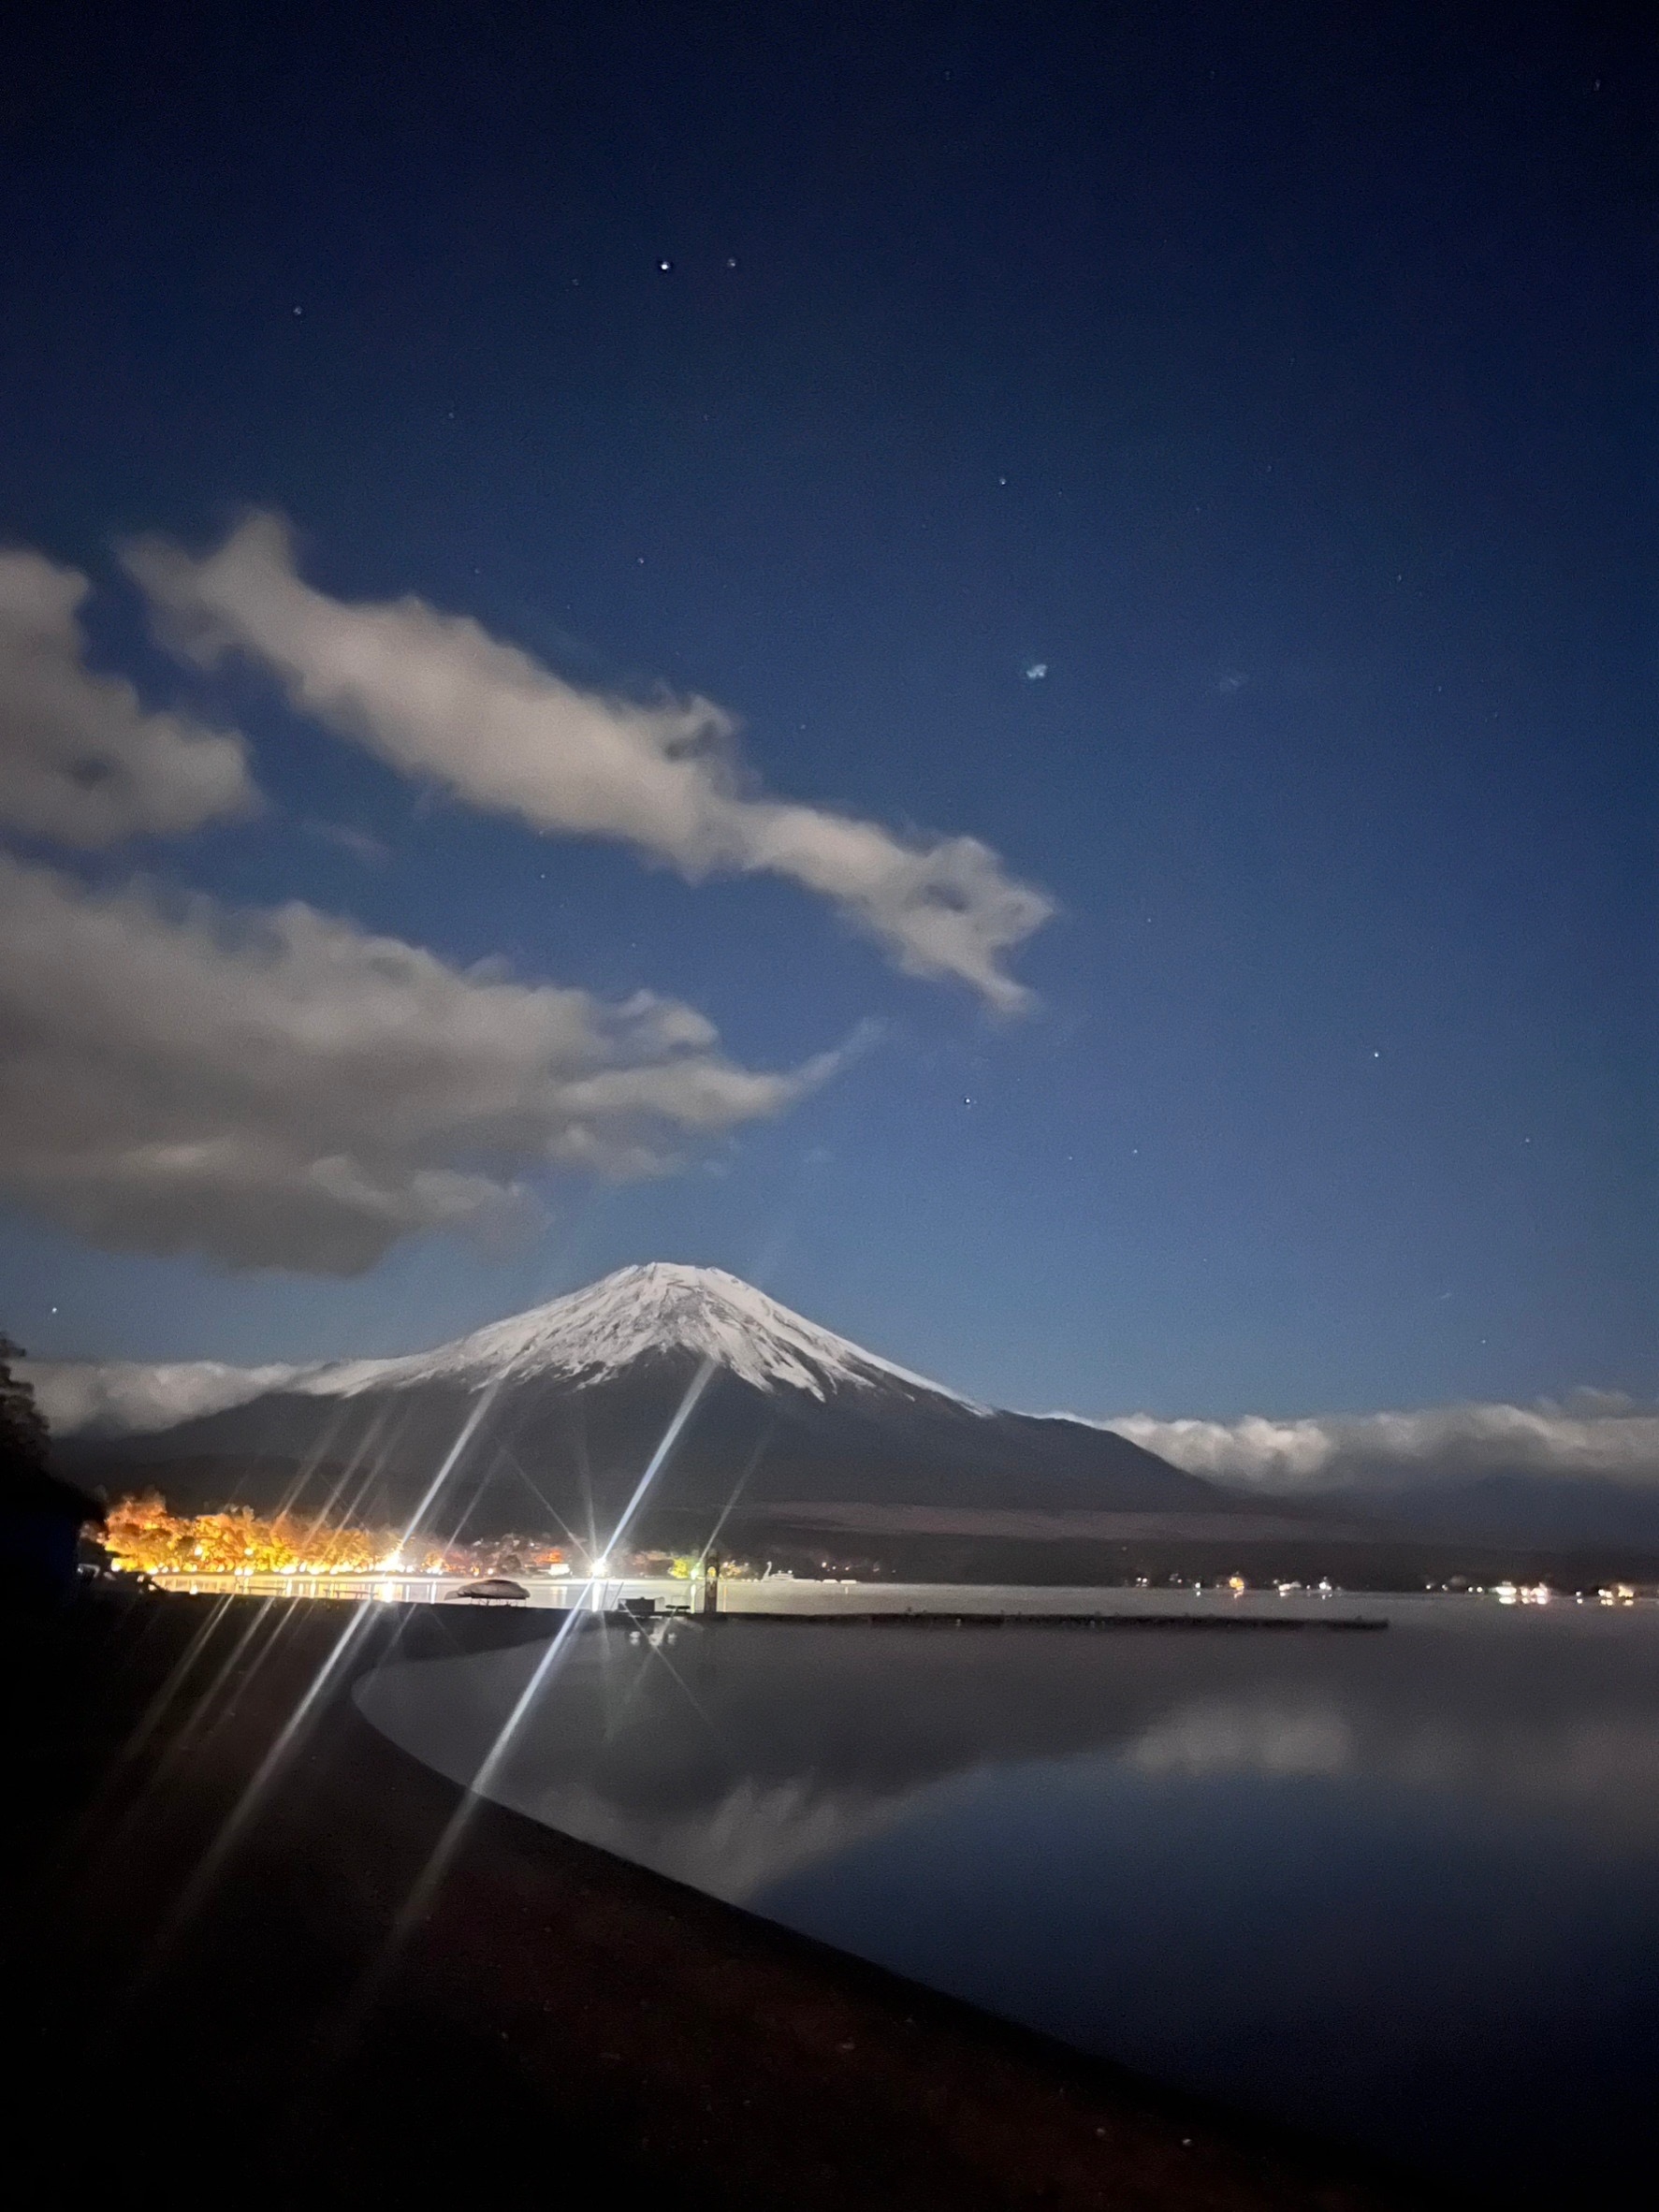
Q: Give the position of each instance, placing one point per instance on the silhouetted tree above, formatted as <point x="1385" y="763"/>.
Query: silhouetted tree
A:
<point x="41" y="1516"/>
<point x="24" y="1438"/>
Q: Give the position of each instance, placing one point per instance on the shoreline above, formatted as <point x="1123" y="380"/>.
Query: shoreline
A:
<point x="555" y="2011"/>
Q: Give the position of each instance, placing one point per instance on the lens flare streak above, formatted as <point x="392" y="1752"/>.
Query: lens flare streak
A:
<point x="445" y="1849"/>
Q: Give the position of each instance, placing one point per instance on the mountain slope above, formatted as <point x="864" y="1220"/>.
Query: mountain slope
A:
<point x="547" y="1420"/>
<point x="1525" y="1509"/>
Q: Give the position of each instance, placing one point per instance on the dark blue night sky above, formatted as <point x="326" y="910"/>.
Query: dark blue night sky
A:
<point x="1203" y="460"/>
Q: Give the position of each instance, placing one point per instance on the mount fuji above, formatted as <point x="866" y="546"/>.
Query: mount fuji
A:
<point x="548" y="1422"/>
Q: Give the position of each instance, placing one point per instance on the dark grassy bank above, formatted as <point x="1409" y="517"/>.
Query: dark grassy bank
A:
<point x="557" y="2019"/>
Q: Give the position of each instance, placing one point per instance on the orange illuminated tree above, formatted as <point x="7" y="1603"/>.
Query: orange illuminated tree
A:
<point x="145" y="1537"/>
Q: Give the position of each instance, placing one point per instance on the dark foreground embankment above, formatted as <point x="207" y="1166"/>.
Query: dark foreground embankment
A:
<point x="229" y="2027"/>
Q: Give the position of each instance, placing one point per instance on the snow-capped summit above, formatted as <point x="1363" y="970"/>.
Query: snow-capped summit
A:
<point x="637" y="1313"/>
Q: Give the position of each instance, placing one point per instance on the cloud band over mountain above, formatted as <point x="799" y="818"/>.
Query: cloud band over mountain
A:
<point x="1595" y="1435"/>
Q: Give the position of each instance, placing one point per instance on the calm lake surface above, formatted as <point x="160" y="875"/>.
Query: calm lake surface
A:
<point x="1403" y="1888"/>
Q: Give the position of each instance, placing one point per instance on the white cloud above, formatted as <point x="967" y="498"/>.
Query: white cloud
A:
<point x="127" y="1398"/>
<point x="1594" y="1435"/>
<point x="81" y="759"/>
<point x="278" y="1088"/>
<point x="437" y="696"/>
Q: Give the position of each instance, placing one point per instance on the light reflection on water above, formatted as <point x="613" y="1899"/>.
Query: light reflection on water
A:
<point x="1402" y="1887"/>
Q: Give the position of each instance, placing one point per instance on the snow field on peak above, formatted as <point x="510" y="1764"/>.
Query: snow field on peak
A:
<point x="628" y="1316"/>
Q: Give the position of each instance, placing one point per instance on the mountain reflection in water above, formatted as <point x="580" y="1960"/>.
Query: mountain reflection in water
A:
<point x="1403" y="1888"/>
